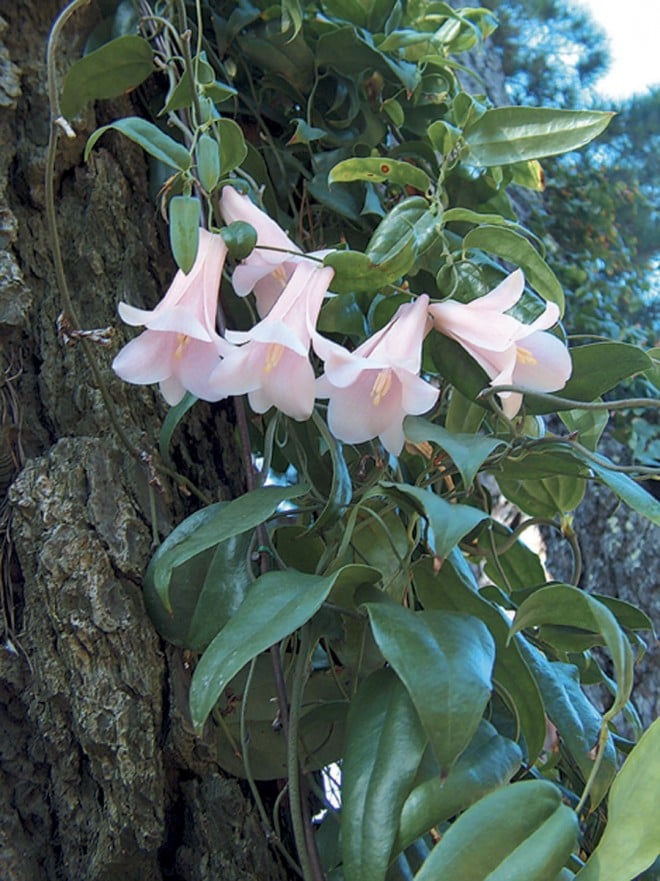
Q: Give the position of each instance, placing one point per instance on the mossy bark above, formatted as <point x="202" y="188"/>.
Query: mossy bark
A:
<point x="101" y="776"/>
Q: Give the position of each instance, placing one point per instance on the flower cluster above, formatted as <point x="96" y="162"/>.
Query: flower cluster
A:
<point x="369" y="390"/>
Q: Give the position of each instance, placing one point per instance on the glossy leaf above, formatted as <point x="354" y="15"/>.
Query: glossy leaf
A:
<point x="563" y="604"/>
<point x="341" y="488"/>
<point x="454" y="589"/>
<point x="513" y="134"/>
<point x="445" y="661"/>
<point x="489" y="761"/>
<point x="277" y="604"/>
<point x="518" y="250"/>
<point x="114" y="68"/>
<point x="631" y="841"/>
<point x="520" y="832"/>
<point x="629" y="491"/>
<point x="468" y="451"/>
<point x="206" y="528"/>
<point x="184" y="214"/>
<point x="577" y="721"/>
<point x="380" y="169"/>
<point x="148" y="136"/>
<point x="449" y="522"/>
<point x="204" y="593"/>
<point x="383" y="748"/>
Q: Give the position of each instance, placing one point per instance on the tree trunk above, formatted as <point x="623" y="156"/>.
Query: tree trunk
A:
<point x="101" y="776"/>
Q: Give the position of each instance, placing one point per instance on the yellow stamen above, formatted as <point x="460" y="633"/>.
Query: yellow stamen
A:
<point x="381" y="386"/>
<point x="525" y="357"/>
<point x="273" y="355"/>
<point x="280" y="274"/>
<point x="183" y="342"/>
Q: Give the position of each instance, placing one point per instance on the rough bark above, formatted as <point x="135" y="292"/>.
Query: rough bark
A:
<point x="100" y="774"/>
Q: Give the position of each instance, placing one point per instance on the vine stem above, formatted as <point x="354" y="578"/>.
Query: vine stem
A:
<point x="303" y="832"/>
<point x="624" y="404"/>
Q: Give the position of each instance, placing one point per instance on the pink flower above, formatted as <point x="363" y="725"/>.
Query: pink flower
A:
<point x="511" y="353"/>
<point x="180" y="347"/>
<point x="266" y="272"/>
<point x="372" y="389"/>
<point x="272" y="365"/>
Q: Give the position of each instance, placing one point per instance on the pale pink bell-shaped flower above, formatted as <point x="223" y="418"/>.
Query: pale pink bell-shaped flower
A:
<point x="511" y="353"/>
<point x="372" y="389"/>
<point x="271" y="361"/>
<point x="180" y="347"/>
<point x="266" y="272"/>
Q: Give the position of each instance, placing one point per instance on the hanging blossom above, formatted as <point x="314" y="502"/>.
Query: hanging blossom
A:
<point x="266" y="272"/>
<point x="180" y="346"/>
<point x="511" y="353"/>
<point x="372" y="389"/>
<point x="271" y="361"/>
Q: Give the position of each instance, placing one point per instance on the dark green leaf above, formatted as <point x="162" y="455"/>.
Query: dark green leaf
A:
<point x="512" y="134"/>
<point x="634" y="495"/>
<point x="233" y="148"/>
<point x="445" y="661"/>
<point x="206" y="528"/>
<point x="174" y="416"/>
<point x="449" y="522"/>
<point x="384" y="745"/>
<point x="576" y="719"/>
<point x="468" y="451"/>
<point x="204" y="593"/>
<point x="488" y="762"/>
<point x="115" y="68"/>
<point x="453" y="589"/>
<point x="277" y="604"/>
<point x="564" y="605"/>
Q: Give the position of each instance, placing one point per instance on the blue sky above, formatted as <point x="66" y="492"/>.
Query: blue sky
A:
<point x="633" y="27"/>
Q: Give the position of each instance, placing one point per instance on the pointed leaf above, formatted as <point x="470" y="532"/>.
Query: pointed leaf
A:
<point x="566" y="605"/>
<point x="518" y="250"/>
<point x="449" y="522"/>
<point x="521" y="832"/>
<point x="174" y="416"/>
<point x="277" y="604"/>
<point x="631" y="841"/>
<point x="379" y="169"/>
<point x="206" y="528"/>
<point x="205" y="591"/>
<point x="513" y="134"/>
<point x="111" y="70"/>
<point x="453" y="589"/>
<point x="575" y="717"/>
<point x="155" y="142"/>
<point x="383" y="748"/>
<point x="628" y="490"/>
<point x="184" y="214"/>
<point x="445" y="661"/>
<point x="488" y="762"/>
<point x="468" y="451"/>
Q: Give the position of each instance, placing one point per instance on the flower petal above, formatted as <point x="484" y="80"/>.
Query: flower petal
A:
<point x="148" y="358"/>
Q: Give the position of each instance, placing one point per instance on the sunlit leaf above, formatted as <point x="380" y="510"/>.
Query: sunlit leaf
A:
<point x="631" y="841"/>
<point x="513" y="134"/>
<point x="520" y="832"/>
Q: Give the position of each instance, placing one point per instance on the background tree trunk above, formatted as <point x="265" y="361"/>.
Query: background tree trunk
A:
<point x="100" y="774"/>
